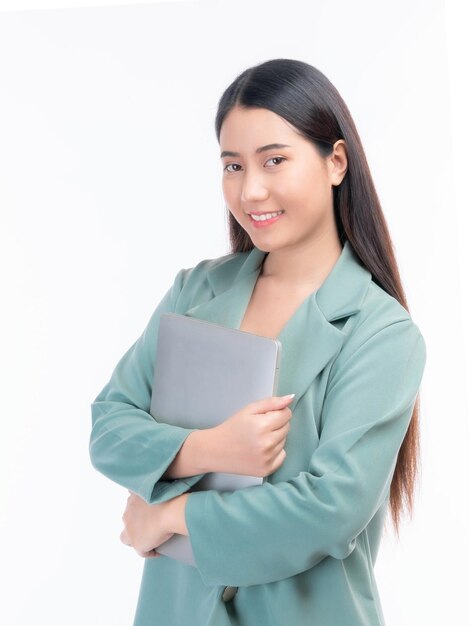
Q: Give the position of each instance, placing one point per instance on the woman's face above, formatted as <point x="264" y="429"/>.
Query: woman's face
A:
<point x="292" y="178"/>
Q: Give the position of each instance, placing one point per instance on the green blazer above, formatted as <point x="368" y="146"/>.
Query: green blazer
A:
<point x="299" y="549"/>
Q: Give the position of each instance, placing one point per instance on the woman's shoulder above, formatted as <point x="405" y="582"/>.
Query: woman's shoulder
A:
<point x="381" y="315"/>
<point x="197" y="281"/>
<point x="230" y="262"/>
<point x="382" y="309"/>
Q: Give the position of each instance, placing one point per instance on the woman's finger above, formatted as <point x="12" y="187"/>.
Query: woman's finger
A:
<point x="125" y="538"/>
<point x="152" y="554"/>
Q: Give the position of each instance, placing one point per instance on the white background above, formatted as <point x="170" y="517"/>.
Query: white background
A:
<point x="109" y="164"/>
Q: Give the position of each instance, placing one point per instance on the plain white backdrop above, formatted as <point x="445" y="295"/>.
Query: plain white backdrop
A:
<point x="109" y="163"/>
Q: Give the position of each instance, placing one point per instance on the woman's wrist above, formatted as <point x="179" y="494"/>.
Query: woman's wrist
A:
<point x="175" y="521"/>
<point x="194" y="456"/>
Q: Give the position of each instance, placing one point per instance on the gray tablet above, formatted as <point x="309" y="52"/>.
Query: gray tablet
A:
<point x="204" y="373"/>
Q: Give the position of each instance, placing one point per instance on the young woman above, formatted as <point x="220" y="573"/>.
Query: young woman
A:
<point x="312" y="264"/>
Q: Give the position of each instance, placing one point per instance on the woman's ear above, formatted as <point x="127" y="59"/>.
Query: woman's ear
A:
<point x="338" y="162"/>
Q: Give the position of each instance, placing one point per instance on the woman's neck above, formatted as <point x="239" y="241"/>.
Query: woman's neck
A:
<point x="300" y="266"/>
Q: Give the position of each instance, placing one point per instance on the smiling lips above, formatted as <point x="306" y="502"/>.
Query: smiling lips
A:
<point x="264" y="219"/>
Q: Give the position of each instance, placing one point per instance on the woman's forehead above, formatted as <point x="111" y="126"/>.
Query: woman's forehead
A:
<point x="255" y="128"/>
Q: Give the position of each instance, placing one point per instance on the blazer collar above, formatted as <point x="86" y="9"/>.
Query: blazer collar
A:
<point x="339" y="295"/>
<point x="309" y="339"/>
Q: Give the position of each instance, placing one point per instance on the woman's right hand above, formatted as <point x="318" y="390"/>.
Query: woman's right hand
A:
<point x="251" y="441"/>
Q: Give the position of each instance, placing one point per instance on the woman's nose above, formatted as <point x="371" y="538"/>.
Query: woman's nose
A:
<point x="253" y="188"/>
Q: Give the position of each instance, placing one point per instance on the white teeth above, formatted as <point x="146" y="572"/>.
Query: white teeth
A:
<point x="265" y="216"/>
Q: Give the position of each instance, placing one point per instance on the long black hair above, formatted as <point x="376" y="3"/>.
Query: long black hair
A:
<point x="303" y="96"/>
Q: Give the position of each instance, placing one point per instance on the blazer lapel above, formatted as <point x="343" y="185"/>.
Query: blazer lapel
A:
<point x="309" y="339"/>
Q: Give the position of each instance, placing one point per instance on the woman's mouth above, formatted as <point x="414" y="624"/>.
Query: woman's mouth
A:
<point x="265" y="219"/>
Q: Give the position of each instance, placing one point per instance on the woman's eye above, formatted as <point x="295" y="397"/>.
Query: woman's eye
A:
<point x="230" y="165"/>
<point x="226" y="168"/>
<point x="279" y="158"/>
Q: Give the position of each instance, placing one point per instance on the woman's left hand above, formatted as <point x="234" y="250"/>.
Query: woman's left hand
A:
<point x="144" y="527"/>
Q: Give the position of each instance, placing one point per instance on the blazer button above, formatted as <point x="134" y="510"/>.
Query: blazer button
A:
<point x="229" y="593"/>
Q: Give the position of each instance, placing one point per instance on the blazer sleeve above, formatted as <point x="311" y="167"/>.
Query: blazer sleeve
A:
<point x="268" y="532"/>
<point x="126" y="443"/>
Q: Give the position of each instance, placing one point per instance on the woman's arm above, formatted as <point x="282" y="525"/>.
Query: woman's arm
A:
<point x="175" y="521"/>
<point x="126" y="443"/>
<point x="146" y="526"/>
<point x="192" y="457"/>
<point x="269" y="532"/>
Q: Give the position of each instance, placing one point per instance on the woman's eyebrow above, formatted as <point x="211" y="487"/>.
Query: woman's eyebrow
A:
<point x="270" y="146"/>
